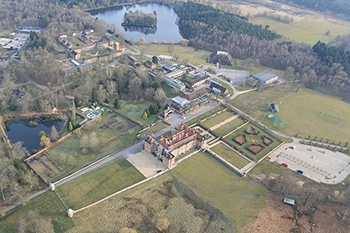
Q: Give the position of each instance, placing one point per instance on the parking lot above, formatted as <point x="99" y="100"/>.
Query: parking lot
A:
<point x="316" y="163"/>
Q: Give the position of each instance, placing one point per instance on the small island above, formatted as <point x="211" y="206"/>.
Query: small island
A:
<point x="140" y="19"/>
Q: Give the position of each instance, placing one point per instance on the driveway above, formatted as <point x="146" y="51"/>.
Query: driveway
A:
<point x="146" y="163"/>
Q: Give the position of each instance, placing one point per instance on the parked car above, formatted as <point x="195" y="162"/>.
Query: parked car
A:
<point x="285" y="164"/>
<point x="300" y="171"/>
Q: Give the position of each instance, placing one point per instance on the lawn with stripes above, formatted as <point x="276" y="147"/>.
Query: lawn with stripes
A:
<point x="229" y="155"/>
<point x="99" y="183"/>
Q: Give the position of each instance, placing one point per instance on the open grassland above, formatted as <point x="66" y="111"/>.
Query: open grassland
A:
<point x="230" y="126"/>
<point x="217" y="119"/>
<point x="99" y="183"/>
<point x="252" y="139"/>
<point x="135" y="111"/>
<point x="308" y="30"/>
<point x="204" y="115"/>
<point x="185" y="53"/>
<point x="113" y="133"/>
<point x="141" y="207"/>
<point x="49" y="208"/>
<point x="239" y="199"/>
<point x="299" y="110"/>
<point x="229" y="155"/>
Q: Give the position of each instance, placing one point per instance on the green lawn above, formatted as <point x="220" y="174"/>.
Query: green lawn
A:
<point x="155" y="129"/>
<point x="217" y="119"/>
<point x="298" y="110"/>
<point x="69" y="153"/>
<point x="48" y="206"/>
<point x="135" y="111"/>
<point x="253" y="139"/>
<point x="229" y="155"/>
<point x="193" y="56"/>
<point x="228" y="127"/>
<point x="239" y="199"/>
<point x="307" y="30"/>
<point x="204" y="115"/>
<point x="99" y="183"/>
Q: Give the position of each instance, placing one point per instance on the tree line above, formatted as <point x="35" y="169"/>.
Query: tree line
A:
<point x="339" y="7"/>
<point x="298" y="61"/>
<point x="190" y="13"/>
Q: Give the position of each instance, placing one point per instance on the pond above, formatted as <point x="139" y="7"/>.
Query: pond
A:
<point x="21" y="131"/>
<point x="166" y="29"/>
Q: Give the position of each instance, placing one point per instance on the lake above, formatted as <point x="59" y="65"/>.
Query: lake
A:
<point x="166" y="29"/>
<point x="21" y="131"/>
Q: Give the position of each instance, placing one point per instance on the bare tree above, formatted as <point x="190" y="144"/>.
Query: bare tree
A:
<point x="19" y="151"/>
<point x="163" y="224"/>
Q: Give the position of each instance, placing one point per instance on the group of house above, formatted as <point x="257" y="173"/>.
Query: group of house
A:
<point x="90" y="42"/>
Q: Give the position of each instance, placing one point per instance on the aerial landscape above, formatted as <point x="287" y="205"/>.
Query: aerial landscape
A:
<point x="193" y="116"/>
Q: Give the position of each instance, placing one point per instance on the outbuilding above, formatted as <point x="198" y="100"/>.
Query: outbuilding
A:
<point x="266" y="77"/>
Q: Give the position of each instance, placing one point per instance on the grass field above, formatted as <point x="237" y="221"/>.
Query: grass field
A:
<point x="299" y="110"/>
<point x="99" y="183"/>
<point x="204" y="115"/>
<point x="141" y="207"/>
<point x="48" y="206"/>
<point x="253" y="139"/>
<point x="239" y="199"/>
<point x="113" y="132"/>
<point x="135" y="110"/>
<point x="155" y="129"/>
<point x="228" y="127"/>
<point x="217" y="119"/>
<point x="193" y="56"/>
<point x="229" y="155"/>
<point x="307" y="30"/>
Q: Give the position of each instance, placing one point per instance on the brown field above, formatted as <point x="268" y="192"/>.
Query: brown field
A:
<point x="141" y="208"/>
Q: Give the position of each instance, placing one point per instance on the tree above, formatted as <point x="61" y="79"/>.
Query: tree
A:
<point x="94" y="141"/>
<point x="155" y="59"/>
<point x="19" y="150"/>
<point x="184" y="42"/>
<point x="70" y="126"/>
<point x="45" y="141"/>
<point x="163" y="224"/>
<point x="116" y="104"/>
<point x="142" y="40"/>
<point x="74" y="110"/>
<point x="84" y="141"/>
<point x="94" y="95"/>
<point x="145" y="116"/>
<point x="54" y="134"/>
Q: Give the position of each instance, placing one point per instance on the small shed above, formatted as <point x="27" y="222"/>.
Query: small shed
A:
<point x="274" y="107"/>
<point x="70" y="213"/>
<point x="52" y="187"/>
<point x="289" y="201"/>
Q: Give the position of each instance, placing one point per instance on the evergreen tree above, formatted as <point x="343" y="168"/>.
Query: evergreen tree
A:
<point x="94" y="95"/>
<point x="54" y="134"/>
<point x="155" y="59"/>
<point x="74" y="110"/>
<point x="42" y="133"/>
<point x="116" y="104"/>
